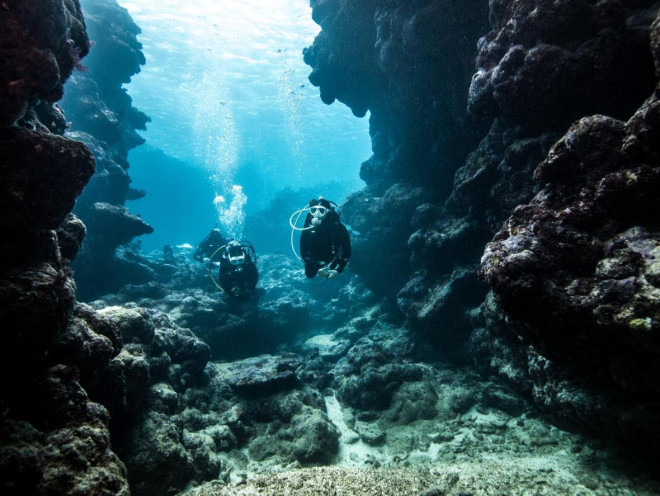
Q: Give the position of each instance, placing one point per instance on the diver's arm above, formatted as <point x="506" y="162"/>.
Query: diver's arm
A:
<point x="338" y="264"/>
<point x="343" y="244"/>
<point x="305" y="251"/>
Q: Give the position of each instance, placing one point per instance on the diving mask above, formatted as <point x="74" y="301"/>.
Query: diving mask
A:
<point x="235" y="254"/>
<point x="237" y="259"/>
<point x="318" y="211"/>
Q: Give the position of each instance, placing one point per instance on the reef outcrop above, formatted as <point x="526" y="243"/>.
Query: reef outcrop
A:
<point x="565" y="160"/>
<point x="54" y="439"/>
<point x="101" y="115"/>
<point x="578" y="266"/>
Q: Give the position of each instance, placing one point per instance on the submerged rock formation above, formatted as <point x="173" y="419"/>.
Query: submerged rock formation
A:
<point x="578" y="266"/>
<point x="53" y="438"/>
<point x="339" y="387"/>
<point x="409" y="65"/>
<point x="102" y="116"/>
<point x="176" y="411"/>
<point x="570" y="267"/>
<point x="573" y="269"/>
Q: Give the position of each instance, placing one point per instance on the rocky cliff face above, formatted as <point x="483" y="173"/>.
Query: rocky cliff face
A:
<point x="409" y="65"/>
<point x="102" y="116"/>
<point x="573" y="267"/>
<point x="577" y="267"/>
<point x="54" y="439"/>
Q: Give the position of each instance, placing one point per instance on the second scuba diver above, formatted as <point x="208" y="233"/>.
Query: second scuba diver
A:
<point x="237" y="262"/>
<point x="238" y="269"/>
<point x="325" y="245"/>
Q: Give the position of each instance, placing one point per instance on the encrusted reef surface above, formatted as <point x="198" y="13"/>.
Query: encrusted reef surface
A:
<point x="563" y="97"/>
<point x="579" y="268"/>
<point x="310" y="374"/>
<point x="409" y="64"/>
<point x="101" y="115"/>
<point x="54" y="438"/>
<point x="574" y="268"/>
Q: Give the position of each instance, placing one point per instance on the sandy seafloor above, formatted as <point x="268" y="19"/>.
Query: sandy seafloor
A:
<point x="492" y="456"/>
<point x="511" y="476"/>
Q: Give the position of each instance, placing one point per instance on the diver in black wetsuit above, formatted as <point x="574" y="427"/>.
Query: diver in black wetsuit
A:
<point x="238" y="269"/>
<point x="325" y="245"/>
<point x="209" y="245"/>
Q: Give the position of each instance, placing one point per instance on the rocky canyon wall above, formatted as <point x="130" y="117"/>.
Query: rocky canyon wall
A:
<point x="101" y="115"/>
<point x="54" y="439"/>
<point x="540" y="112"/>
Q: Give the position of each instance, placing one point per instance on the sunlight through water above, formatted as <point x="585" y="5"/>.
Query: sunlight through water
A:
<point x="227" y="90"/>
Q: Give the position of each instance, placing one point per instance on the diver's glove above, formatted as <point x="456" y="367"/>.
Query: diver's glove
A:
<point x="327" y="273"/>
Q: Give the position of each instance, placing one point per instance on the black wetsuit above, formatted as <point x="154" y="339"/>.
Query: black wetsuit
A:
<point x="209" y="245"/>
<point x="325" y="245"/>
<point x="238" y="281"/>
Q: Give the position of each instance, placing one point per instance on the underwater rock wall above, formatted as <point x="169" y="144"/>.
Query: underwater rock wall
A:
<point x="53" y="438"/>
<point x="409" y="64"/>
<point x="574" y="270"/>
<point x="577" y="269"/>
<point x="102" y="116"/>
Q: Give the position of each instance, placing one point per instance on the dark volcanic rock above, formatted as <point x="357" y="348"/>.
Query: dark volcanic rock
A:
<point x="370" y="375"/>
<point x="157" y="458"/>
<point x="100" y="267"/>
<point x="103" y="117"/>
<point x="70" y="452"/>
<point x="110" y="182"/>
<point x="35" y="307"/>
<point x="574" y="269"/>
<point x="409" y="65"/>
<point x="90" y="341"/>
<point x="381" y="228"/>
<point x="583" y="252"/>
<point x="54" y="439"/>
<point x="578" y="266"/>
<point x="41" y="43"/>
<point x="264" y="374"/>
<point x="39" y="188"/>
<point x="441" y="310"/>
<point x="566" y="57"/>
<point x="538" y="71"/>
<point x="70" y="235"/>
<point x="496" y="177"/>
<point x="117" y="224"/>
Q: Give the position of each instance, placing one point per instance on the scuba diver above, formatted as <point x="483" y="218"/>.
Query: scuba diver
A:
<point x="325" y="245"/>
<point x="238" y="274"/>
<point x="209" y="245"/>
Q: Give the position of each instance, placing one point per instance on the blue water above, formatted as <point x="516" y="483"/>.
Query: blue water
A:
<point x="234" y="118"/>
